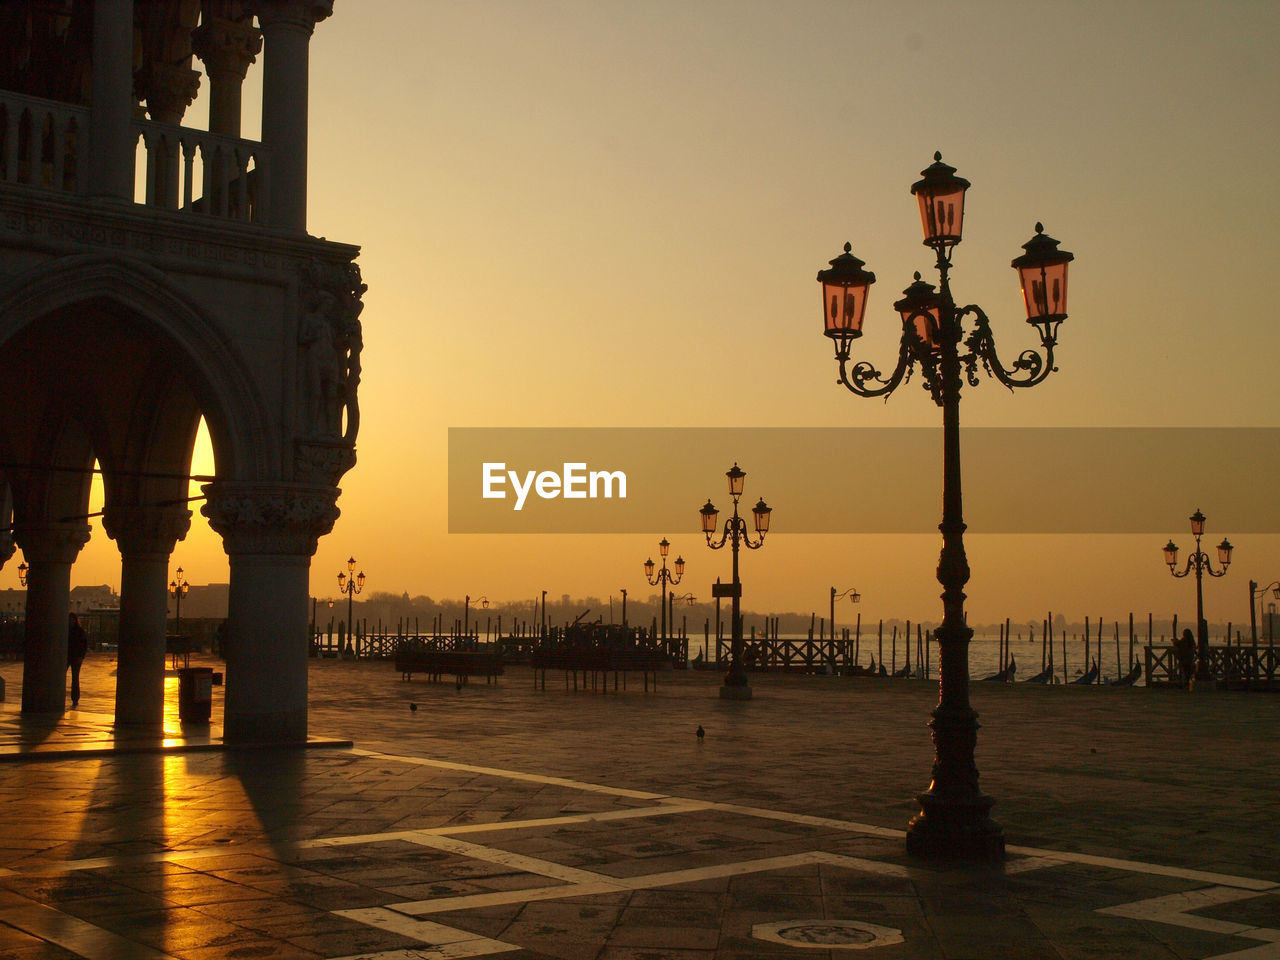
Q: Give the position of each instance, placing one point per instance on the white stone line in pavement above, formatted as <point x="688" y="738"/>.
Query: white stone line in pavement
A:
<point x="78" y="936"/>
<point x="447" y="943"/>
<point x="1173" y="910"/>
<point x="1046" y="857"/>
<point x="851" y="826"/>
<point x="662" y="809"/>
<point x="513" y="775"/>
<point x="665" y="879"/>
<point x="1152" y="869"/>
<point x="1026" y="864"/>
<point x="505" y="858"/>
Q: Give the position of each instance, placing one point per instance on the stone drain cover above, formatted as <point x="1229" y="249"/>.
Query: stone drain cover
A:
<point x="827" y="934"/>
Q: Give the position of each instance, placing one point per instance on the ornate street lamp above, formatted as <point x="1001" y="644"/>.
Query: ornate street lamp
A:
<point x="735" y="685"/>
<point x="22" y="573"/>
<point x="954" y="819"/>
<point x="664" y="578"/>
<point x="178" y="588"/>
<point x="1198" y="563"/>
<point x="350" y="586"/>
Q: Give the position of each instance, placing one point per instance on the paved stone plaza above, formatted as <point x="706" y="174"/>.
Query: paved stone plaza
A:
<point x="500" y="819"/>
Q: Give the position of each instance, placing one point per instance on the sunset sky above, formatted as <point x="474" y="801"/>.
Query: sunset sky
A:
<point x="603" y="214"/>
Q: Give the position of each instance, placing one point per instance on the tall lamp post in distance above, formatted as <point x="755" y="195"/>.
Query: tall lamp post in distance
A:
<point x="665" y="577"/>
<point x="178" y="588"/>
<point x="735" y="685"/>
<point x="22" y="573"/>
<point x="1198" y="563"/>
<point x="350" y="585"/>
<point x="466" y="613"/>
<point x="1258" y="594"/>
<point x="954" y="820"/>
<point x="854" y="597"/>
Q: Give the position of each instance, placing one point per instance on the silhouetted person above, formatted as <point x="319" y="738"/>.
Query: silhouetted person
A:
<point x="700" y="732"/>
<point x="1185" y="648"/>
<point x="77" y="647"/>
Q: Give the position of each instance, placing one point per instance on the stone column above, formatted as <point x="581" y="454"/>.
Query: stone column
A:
<point x="50" y="548"/>
<point x="227" y="43"/>
<point x="111" y="141"/>
<point x="146" y="536"/>
<point x="287" y="26"/>
<point x="269" y="531"/>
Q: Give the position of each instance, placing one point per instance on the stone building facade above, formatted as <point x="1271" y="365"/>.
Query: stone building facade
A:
<point x="151" y="274"/>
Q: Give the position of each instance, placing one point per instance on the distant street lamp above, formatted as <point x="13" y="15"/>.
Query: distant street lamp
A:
<point x="1198" y="563"/>
<point x="178" y="588"/>
<point x="665" y="577"/>
<point x="954" y="819"/>
<point x="735" y="685"/>
<point x="350" y="586"/>
<point x="466" y="613"/>
<point x="22" y="573"/>
<point x="1257" y="594"/>
<point x="854" y="597"/>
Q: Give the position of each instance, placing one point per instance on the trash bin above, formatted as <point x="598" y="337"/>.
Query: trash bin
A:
<point x="195" y="694"/>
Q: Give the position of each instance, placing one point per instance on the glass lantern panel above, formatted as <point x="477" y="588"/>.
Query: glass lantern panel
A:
<point x="1044" y="290"/>
<point x="942" y="214"/>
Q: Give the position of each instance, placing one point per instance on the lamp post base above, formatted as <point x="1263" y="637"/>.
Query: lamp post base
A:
<point x="955" y="830"/>
<point x="735" y="693"/>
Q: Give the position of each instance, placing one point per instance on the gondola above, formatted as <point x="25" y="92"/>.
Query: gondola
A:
<point x="1044" y="676"/>
<point x="1129" y="679"/>
<point x="1090" y="676"/>
<point x="1005" y="675"/>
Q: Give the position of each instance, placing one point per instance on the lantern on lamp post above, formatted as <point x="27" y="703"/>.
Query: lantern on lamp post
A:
<point x="954" y="819"/>
<point x="351" y="585"/>
<point x="736" y="686"/>
<point x="665" y="577"/>
<point x="1199" y="564"/>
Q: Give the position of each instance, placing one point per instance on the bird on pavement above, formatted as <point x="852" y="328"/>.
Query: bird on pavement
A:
<point x="701" y="733"/>
<point x="413" y="707"/>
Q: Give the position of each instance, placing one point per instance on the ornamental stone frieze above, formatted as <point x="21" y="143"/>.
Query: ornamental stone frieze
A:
<point x="329" y="342"/>
<point x="52" y="541"/>
<point x="143" y="530"/>
<point x="270" y="518"/>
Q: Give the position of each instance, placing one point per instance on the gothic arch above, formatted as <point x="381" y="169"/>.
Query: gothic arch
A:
<point x="245" y="447"/>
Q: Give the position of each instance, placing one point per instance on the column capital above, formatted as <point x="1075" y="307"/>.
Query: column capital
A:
<point x="226" y="42"/>
<point x="304" y="14"/>
<point x="143" y="531"/>
<point x="51" y="541"/>
<point x="270" y="518"/>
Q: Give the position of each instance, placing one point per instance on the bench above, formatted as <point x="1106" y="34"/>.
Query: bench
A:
<point x="438" y="663"/>
<point x="595" y="662"/>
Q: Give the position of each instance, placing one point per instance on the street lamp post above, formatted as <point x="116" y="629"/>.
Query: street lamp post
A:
<point x="22" y="573"/>
<point x="854" y="597"/>
<point x="466" y="613"/>
<point x="665" y="577"/>
<point x="1257" y="594"/>
<point x="178" y="588"/>
<point x="954" y="820"/>
<point x="735" y="685"/>
<point x="624" y="607"/>
<point x="1198" y="563"/>
<point x="350" y="585"/>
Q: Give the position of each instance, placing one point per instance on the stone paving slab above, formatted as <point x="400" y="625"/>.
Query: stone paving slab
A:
<point x="501" y="820"/>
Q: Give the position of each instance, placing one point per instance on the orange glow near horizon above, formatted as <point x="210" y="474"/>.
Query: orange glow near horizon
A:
<point x="587" y="215"/>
